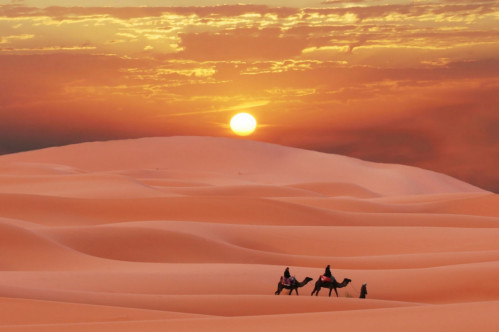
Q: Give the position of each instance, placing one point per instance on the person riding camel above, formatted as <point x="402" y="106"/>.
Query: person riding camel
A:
<point x="287" y="279"/>
<point x="327" y="276"/>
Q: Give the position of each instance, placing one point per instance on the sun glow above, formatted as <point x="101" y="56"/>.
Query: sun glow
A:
<point x="243" y="124"/>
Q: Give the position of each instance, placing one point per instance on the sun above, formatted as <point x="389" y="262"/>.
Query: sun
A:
<point x="243" y="124"/>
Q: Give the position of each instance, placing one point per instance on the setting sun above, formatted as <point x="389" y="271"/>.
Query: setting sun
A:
<point x="243" y="124"/>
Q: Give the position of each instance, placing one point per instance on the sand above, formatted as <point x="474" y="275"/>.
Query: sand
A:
<point x="193" y="233"/>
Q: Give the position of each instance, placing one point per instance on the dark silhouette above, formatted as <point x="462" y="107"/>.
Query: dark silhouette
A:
<point x="333" y="284"/>
<point x="287" y="277"/>
<point x="293" y="287"/>
<point x="363" y="291"/>
<point x="327" y="272"/>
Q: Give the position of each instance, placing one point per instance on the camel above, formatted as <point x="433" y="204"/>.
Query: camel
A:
<point x="363" y="291"/>
<point x="333" y="284"/>
<point x="293" y="287"/>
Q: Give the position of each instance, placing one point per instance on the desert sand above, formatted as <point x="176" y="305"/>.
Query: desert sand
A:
<point x="193" y="234"/>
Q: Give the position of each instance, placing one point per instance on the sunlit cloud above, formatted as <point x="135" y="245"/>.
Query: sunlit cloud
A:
<point x="46" y="49"/>
<point x="343" y="76"/>
<point x="8" y="39"/>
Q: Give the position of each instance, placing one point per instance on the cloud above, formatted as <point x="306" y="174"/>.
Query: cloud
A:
<point x="412" y="10"/>
<point x="401" y="145"/>
<point x="408" y="10"/>
<point x="442" y="128"/>
<point x="8" y="39"/>
<point x="261" y="32"/>
<point x="240" y="44"/>
<point x="407" y="83"/>
<point x="341" y="2"/>
<point x="38" y="78"/>
<point x="125" y="13"/>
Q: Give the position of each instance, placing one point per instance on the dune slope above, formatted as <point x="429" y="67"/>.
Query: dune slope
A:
<point x="193" y="233"/>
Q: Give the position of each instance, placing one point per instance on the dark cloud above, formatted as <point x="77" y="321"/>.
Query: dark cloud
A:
<point x="456" y="135"/>
<point x="402" y="146"/>
<point x="55" y="124"/>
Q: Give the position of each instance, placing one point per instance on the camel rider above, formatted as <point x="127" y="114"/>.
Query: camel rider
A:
<point x="287" y="277"/>
<point x="327" y="274"/>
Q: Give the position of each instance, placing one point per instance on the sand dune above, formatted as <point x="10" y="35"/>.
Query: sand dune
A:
<point x="18" y="311"/>
<point x="331" y="189"/>
<point x="96" y="186"/>
<point x="431" y="318"/>
<point x="248" y="160"/>
<point x="457" y="204"/>
<point x="192" y="233"/>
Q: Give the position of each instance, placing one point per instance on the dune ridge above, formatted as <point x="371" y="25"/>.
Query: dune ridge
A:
<point x="248" y="160"/>
<point x="185" y="233"/>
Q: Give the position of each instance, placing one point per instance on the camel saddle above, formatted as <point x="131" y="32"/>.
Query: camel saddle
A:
<point x="325" y="279"/>
<point x="288" y="282"/>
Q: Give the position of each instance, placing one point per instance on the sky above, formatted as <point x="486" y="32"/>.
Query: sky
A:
<point x="408" y="82"/>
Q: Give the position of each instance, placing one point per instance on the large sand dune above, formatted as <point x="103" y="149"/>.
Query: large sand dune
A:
<point x="193" y="233"/>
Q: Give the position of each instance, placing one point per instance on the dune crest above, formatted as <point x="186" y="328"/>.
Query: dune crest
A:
<point x="243" y="160"/>
<point x="193" y="233"/>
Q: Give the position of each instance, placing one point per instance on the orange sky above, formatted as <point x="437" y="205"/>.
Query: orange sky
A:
<point x="411" y="82"/>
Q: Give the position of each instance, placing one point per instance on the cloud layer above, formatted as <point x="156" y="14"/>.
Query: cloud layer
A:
<point x="390" y="81"/>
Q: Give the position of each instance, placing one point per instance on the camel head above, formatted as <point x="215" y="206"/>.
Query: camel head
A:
<point x="348" y="280"/>
<point x="308" y="279"/>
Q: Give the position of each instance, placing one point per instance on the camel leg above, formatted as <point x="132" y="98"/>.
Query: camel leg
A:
<point x="330" y="290"/>
<point x="336" y="292"/>
<point x="296" y="290"/>
<point x="279" y="289"/>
